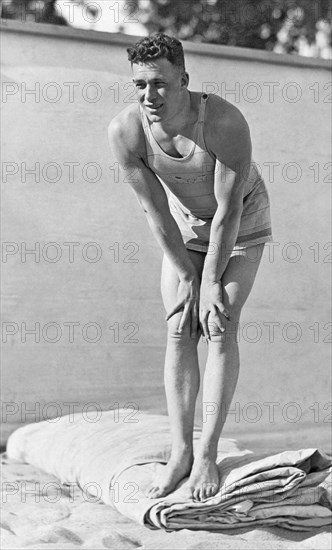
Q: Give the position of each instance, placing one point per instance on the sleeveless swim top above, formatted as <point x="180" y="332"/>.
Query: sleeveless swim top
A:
<point x="190" y="179"/>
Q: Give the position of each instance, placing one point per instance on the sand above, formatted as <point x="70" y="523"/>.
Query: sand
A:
<point x="43" y="514"/>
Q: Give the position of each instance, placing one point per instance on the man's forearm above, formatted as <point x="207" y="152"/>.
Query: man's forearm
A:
<point x="224" y="231"/>
<point x="169" y="237"/>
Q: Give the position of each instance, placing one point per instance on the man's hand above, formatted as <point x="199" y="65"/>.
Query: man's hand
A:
<point x="211" y="307"/>
<point x="188" y="300"/>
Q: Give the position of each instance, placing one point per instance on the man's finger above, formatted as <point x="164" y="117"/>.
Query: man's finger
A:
<point x="206" y="330"/>
<point x="174" y="310"/>
<point x="184" y="318"/>
<point x="194" y="321"/>
<point x="205" y="326"/>
<point x="223" y="310"/>
<point x="216" y="324"/>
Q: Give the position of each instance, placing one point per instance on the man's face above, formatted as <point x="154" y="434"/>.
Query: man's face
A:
<point x="159" y="88"/>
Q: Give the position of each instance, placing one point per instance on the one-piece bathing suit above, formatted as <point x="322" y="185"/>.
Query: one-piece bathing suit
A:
<point x="191" y="198"/>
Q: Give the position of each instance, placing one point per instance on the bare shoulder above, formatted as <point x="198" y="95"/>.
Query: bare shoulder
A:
<point x="126" y="132"/>
<point x="226" y="130"/>
<point x="221" y="115"/>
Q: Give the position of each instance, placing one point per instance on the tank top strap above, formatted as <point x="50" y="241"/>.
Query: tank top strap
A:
<point x="204" y="98"/>
<point x="153" y="147"/>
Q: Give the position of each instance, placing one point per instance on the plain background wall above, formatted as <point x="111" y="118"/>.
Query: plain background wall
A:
<point x="287" y="107"/>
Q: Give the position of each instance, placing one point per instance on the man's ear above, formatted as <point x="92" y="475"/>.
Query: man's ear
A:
<point x="185" y="79"/>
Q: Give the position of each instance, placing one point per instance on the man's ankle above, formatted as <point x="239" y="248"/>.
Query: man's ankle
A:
<point x="207" y="451"/>
<point x="182" y="448"/>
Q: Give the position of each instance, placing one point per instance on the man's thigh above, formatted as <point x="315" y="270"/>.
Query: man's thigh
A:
<point x="238" y="278"/>
<point x="237" y="282"/>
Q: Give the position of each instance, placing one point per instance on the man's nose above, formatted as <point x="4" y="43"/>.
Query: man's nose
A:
<point x="150" y="93"/>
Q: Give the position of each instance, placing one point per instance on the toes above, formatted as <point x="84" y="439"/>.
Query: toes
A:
<point x="209" y="491"/>
<point x="204" y="492"/>
<point x="215" y="489"/>
<point x="196" y="494"/>
<point x="152" y="492"/>
<point x="199" y="493"/>
<point x="157" y="492"/>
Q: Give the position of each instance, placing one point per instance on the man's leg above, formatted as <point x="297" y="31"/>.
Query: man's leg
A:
<point x="222" y="369"/>
<point x="181" y="376"/>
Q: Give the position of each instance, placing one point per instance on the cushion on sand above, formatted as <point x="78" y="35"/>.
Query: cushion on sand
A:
<point x="115" y="456"/>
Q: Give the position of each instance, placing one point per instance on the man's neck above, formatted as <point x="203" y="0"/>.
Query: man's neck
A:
<point x="181" y="119"/>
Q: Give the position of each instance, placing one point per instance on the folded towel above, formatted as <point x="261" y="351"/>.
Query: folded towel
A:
<point x="115" y="456"/>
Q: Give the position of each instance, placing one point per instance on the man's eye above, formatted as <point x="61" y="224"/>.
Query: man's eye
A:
<point x="142" y="85"/>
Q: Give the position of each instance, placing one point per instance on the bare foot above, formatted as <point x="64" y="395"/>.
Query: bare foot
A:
<point x="204" y="479"/>
<point x="170" y="475"/>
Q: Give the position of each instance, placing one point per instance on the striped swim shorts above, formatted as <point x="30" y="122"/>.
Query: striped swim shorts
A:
<point x="255" y="226"/>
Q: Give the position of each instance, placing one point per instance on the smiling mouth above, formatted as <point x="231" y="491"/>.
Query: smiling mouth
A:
<point x="154" y="108"/>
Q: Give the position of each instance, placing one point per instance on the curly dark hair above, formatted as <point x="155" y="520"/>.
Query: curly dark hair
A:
<point x="156" y="46"/>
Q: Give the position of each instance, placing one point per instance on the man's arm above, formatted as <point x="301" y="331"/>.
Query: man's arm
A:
<point x="232" y="148"/>
<point x="153" y="200"/>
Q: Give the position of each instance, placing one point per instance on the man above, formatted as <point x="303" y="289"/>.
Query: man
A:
<point x="212" y="229"/>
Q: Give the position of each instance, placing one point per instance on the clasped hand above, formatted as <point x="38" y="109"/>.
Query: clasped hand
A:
<point x="211" y="308"/>
<point x="202" y="304"/>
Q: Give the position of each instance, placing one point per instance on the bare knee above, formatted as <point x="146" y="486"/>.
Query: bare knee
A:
<point x="230" y="329"/>
<point x="183" y="337"/>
